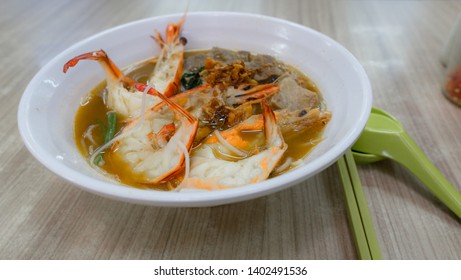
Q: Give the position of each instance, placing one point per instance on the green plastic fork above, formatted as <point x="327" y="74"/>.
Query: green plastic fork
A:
<point x="384" y="137"/>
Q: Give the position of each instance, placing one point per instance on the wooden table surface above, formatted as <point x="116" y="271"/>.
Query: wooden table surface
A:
<point x="397" y="42"/>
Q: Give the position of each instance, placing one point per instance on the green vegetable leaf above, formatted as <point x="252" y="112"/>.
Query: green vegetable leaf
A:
<point x="191" y="79"/>
<point x="111" y="126"/>
<point x="109" y="133"/>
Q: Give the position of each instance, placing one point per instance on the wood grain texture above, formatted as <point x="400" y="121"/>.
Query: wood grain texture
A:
<point x="398" y="43"/>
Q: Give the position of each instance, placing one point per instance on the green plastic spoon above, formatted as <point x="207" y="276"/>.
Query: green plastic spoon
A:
<point x="363" y="158"/>
<point x="384" y="136"/>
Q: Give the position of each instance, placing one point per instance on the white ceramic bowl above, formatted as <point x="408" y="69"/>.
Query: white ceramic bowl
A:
<point x="49" y="104"/>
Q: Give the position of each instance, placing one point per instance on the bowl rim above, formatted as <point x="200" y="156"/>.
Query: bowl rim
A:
<point x="192" y="199"/>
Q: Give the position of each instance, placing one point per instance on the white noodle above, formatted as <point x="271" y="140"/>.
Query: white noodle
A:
<point x="229" y="146"/>
<point x="105" y="146"/>
<point x="283" y="76"/>
<point x="144" y="101"/>
<point x="284" y="166"/>
<point x="85" y="99"/>
<point x="89" y="133"/>
<point x="83" y="144"/>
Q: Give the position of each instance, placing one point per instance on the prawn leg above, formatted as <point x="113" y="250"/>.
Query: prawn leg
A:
<point x="114" y="74"/>
<point x="253" y="94"/>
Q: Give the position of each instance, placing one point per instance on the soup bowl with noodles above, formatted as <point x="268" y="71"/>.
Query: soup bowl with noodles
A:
<point x="49" y="109"/>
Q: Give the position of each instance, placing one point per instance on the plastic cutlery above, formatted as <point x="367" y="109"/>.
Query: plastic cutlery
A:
<point x="385" y="137"/>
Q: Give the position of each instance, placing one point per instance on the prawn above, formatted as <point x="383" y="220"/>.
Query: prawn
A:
<point x="167" y="72"/>
<point x="153" y="147"/>
<point x="209" y="171"/>
<point x="121" y="96"/>
<point x="218" y="109"/>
